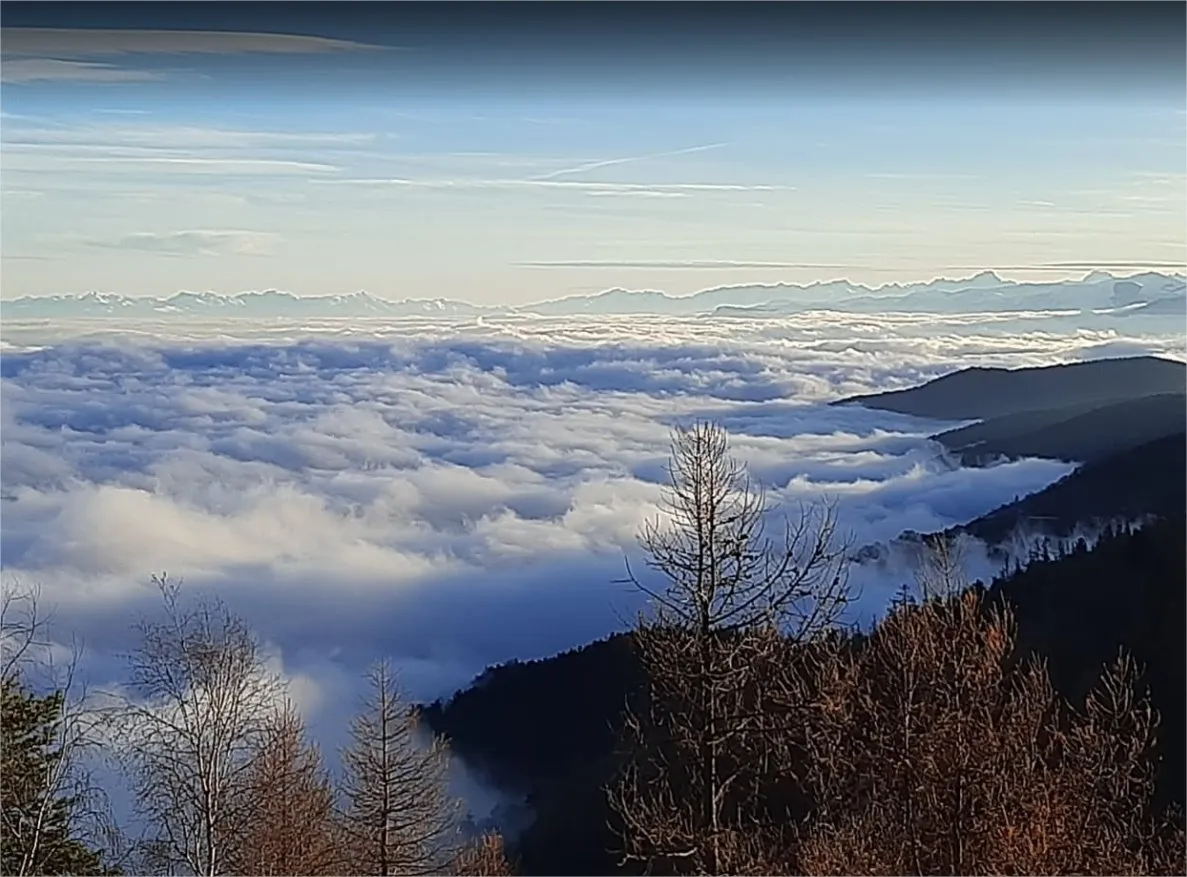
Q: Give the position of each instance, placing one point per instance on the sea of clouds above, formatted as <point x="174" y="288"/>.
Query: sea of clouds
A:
<point x="454" y="493"/>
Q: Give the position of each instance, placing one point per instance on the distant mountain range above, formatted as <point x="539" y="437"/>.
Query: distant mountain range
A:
<point x="271" y="304"/>
<point x="1152" y="294"/>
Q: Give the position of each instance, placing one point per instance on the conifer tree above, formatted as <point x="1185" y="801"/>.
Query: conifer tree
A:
<point x="400" y="817"/>
<point x="38" y="803"/>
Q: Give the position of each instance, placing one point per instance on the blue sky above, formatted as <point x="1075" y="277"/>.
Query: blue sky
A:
<point x="411" y="162"/>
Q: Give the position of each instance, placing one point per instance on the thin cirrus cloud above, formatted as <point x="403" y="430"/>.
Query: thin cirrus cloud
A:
<point x="724" y="264"/>
<point x="68" y="55"/>
<point x="20" y="71"/>
<point x="641" y="189"/>
<point x="194" y="243"/>
<point x="172" y="137"/>
<point x="138" y="164"/>
<point x="696" y="264"/>
<point x="75" y="44"/>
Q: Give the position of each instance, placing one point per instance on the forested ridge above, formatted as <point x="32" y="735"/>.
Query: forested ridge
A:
<point x="1074" y="606"/>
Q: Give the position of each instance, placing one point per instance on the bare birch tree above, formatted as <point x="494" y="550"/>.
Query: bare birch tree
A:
<point x="23" y="636"/>
<point x="400" y="817"/>
<point x="203" y="702"/>
<point x="732" y="596"/>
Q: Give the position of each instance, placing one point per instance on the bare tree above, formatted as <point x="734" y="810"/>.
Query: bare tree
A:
<point x="733" y="597"/>
<point x="202" y="706"/>
<point x="289" y="816"/>
<point x="400" y="817"/>
<point x="941" y="568"/>
<point x="23" y="638"/>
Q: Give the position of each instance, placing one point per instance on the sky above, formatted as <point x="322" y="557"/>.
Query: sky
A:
<point x="508" y="154"/>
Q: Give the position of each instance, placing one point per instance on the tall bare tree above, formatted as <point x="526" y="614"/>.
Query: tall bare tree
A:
<point x="733" y="594"/>
<point x="400" y="817"/>
<point x="202" y="706"/>
<point x="289" y="815"/>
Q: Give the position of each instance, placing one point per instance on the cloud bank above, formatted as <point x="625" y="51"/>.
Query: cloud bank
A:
<point x="450" y="493"/>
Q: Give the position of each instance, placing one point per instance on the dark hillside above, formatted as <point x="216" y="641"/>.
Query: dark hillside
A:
<point x="980" y="393"/>
<point x="1128" y="592"/>
<point x="1150" y="479"/>
<point x="1079" y="433"/>
<point x="550" y="728"/>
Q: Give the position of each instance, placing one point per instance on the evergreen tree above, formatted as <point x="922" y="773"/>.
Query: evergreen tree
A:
<point x="400" y="818"/>
<point x="38" y="809"/>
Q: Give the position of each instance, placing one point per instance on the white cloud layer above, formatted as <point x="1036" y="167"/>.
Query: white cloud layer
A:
<point x="450" y="494"/>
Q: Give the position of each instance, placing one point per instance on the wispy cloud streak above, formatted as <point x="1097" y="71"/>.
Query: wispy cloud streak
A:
<point x="75" y="43"/>
<point x="580" y="169"/>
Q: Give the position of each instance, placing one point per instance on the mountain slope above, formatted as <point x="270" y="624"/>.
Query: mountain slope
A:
<point x="982" y="393"/>
<point x="549" y="729"/>
<point x="1128" y="592"/>
<point x="551" y="726"/>
<point x="1078" y="432"/>
<point x="1149" y="479"/>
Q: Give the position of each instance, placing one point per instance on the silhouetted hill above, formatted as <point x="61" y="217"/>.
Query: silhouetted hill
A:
<point x="1150" y="479"/>
<point x="982" y="393"/>
<point x="1082" y="432"/>
<point x="550" y="728"/>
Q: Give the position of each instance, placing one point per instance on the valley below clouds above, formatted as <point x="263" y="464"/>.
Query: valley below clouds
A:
<point x="454" y="493"/>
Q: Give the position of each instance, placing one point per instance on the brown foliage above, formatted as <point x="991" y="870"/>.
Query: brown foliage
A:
<point x="933" y="750"/>
<point x="483" y="857"/>
<point x="925" y="747"/>
<point x="289" y="827"/>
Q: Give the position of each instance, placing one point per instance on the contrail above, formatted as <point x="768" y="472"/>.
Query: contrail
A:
<point x="597" y="164"/>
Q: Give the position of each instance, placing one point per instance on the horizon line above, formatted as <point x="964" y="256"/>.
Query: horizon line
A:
<point x="1088" y="269"/>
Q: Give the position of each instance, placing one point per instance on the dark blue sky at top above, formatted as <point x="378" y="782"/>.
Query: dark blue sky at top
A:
<point x="750" y="50"/>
